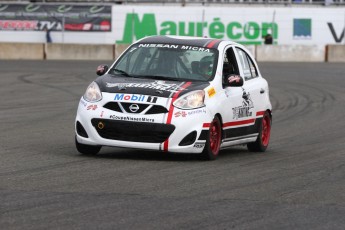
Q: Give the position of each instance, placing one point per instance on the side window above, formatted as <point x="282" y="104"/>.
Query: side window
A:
<point x="245" y="64"/>
<point x="229" y="63"/>
<point x="252" y="67"/>
<point x="249" y="68"/>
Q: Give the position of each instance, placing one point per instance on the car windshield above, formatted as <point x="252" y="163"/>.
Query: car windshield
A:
<point x="168" y="62"/>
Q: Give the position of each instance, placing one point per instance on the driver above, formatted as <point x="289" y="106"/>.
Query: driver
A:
<point x="206" y="64"/>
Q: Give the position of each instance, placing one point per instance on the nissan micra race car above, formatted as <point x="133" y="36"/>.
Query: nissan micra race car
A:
<point x="177" y="94"/>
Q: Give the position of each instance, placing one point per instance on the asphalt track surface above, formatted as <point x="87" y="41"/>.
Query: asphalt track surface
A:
<point x="298" y="183"/>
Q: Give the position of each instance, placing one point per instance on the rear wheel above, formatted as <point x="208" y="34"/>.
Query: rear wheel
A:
<point x="213" y="140"/>
<point x="261" y="143"/>
<point x="87" y="149"/>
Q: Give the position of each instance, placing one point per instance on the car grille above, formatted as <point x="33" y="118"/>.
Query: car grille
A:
<point x="132" y="131"/>
<point x="151" y="109"/>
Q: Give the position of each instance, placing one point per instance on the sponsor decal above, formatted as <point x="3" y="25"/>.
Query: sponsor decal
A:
<point x="302" y="28"/>
<point x="211" y="92"/>
<point x="92" y="107"/>
<point x="151" y="99"/>
<point x="79" y="26"/>
<point x="182" y="47"/>
<point x="236" y="79"/>
<point x="31" y="7"/>
<point x="199" y="145"/>
<point x="180" y="114"/>
<point x="38" y="17"/>
<point x="126" y="118"/>
<point x="244" y="109"/>
<point x="129" y="97"/>
<point x="64" y="9"/>
<point x="102" y="114"/>
<point x="197" y="111"/>
<point x="18" y="25"/>
<point x="189" y="113"/>
<point x="83" y="102"/>
<point x="137" y="26"/>
<point x="337" y="39"/>
<point x="159" y="85"/>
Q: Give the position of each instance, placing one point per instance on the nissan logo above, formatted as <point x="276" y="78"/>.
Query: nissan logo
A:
<point x="134" y="108"/>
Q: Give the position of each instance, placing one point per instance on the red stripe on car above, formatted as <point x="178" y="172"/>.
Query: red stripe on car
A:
<point x="236" y="123"/>
<point x="206" y="125"/>
<point x="260" y="113"/>
<point x="211" y="43"/>
<point x="171" y="110"/>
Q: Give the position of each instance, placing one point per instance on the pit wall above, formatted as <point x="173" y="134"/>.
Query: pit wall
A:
<point x="262" y="53"/>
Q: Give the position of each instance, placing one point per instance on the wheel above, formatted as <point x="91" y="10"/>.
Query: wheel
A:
<point x="213" y="140"/>
<point x="87" y="149"/>
<point x="261" y="143"/>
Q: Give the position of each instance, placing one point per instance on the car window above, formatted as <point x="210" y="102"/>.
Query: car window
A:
<point x="245" y="64"/>
<point x="229" y="63"/>
<point x="249" y="68"/>
<point x="252" y="67"/>
<point x="170" y="61"/>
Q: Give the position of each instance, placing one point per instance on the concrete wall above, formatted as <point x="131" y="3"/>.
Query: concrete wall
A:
<point x="336" y="53"/>
<point x="263" y="53"/>
<point x="290" y="53"/>
<point x="55" y="51"/>
<point x="28" y="51"/>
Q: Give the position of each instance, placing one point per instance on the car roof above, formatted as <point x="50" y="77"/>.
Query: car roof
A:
<point x="185" y="40"/>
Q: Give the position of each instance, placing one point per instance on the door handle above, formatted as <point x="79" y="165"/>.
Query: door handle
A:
<point x="262" y="91"/>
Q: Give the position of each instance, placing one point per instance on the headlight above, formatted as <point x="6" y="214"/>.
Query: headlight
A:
<point x="191" y="100"/>
<point x="93" y="93"/>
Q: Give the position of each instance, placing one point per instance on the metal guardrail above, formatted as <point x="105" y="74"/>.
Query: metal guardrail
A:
<point x="194" y="2"/>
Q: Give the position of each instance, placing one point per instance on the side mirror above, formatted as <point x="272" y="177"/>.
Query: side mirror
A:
<point x="233" y="80"/>
<point x="101" y="70"/>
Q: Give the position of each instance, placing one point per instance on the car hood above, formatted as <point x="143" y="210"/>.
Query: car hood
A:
<point x="161" y="88"/>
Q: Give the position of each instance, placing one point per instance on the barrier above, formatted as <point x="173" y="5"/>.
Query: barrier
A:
<point x="27" y="51"/>
<point x="335" y="53"/>
<point x="290" y="53"/>
<point x="56" y="51"/>
<point x="262" y="53"/>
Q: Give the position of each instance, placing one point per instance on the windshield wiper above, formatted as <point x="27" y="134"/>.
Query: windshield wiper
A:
<point x="157" y="77"/>
<point x="122" y="72"/>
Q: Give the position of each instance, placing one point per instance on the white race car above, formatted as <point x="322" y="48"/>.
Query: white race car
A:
<point x="177" y="94"/>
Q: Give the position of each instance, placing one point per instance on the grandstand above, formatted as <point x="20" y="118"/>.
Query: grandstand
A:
<point x="194" y="2"/>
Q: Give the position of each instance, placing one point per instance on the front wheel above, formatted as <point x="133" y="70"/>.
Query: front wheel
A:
<point x="213" y="140"/>
<point x="87" y="149"/>
<point x="261" y="143"/>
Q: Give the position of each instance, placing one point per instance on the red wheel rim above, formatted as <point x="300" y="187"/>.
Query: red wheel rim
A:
<point x="215" y="134"/>
<point x="266" y="130"/>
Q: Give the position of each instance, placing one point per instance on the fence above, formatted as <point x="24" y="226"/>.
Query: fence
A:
<point x="194" y="2"/>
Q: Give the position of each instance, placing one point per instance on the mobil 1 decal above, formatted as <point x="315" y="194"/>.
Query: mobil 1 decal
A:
<point x="245" y="110"/>
<point x="134" y="98"/>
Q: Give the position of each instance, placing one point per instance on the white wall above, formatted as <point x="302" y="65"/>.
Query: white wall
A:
<point x="167" y="17"/>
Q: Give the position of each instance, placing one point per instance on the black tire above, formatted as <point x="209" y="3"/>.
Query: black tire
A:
<point x="213" y="140"/>
<point x="261" y="143"/>
<point x="87" y="149"/>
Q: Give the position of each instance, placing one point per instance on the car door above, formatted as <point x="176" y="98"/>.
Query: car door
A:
<point x="253" y="89"/>
<point x="234" y="119"/>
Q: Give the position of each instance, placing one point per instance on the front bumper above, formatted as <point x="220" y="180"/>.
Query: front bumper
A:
<point x="110" y="128"/>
